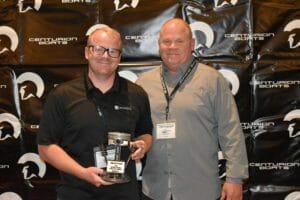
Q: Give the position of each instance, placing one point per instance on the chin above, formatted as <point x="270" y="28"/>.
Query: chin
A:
<point x="173" y="61"/>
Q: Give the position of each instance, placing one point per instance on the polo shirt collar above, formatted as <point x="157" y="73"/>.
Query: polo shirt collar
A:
<point x="172" y="79"/>
<point x="90" y="86"/>
<point x="181" y="69"/>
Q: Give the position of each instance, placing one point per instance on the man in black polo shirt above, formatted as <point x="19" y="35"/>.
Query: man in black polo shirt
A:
<point x="78" y="116"/>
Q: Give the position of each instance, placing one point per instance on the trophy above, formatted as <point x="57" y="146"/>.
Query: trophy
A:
<point x="114" y="158"/>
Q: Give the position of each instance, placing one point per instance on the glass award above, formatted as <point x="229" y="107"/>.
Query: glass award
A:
<point x="114" y="157"/>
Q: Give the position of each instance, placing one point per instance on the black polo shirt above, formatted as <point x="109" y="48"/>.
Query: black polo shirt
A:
<point x="77" y="116"/>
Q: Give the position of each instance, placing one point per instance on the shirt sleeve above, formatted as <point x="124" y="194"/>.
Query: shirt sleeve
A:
<point x="144" y="124"/>
<point x="230" y="134"/>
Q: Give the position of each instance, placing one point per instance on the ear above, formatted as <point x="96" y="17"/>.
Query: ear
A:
<point x="86" y="53"/>
<point x="193" y="43"/>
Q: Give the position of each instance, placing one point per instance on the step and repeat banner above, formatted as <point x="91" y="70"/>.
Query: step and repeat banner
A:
<point x="254" y="44"/>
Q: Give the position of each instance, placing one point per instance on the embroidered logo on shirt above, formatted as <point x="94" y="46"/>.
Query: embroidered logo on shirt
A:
<point x="122" y="107"/>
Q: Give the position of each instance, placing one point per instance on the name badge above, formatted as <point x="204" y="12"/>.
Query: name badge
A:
<point x="166" y="130"/>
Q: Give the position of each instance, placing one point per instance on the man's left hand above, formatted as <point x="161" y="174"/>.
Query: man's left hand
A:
<point x="139" y="149"/>
<point x="232" y="191"/>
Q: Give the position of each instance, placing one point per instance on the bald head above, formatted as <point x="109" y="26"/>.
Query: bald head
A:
<point x="176" y="44"/>
<point x="177" y="23"/>
<point x="107" y="31"/>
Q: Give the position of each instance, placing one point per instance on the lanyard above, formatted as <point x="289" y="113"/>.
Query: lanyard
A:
<point x="92" y="97"/>
<point x="98" y="108"/>
<point x="168" y="96"/>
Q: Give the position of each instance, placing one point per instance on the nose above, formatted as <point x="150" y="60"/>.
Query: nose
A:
<point x="105" y="54"/>
<point x="173" y="44"/>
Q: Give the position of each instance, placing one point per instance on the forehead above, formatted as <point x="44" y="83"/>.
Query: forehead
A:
<point x="102" y="37"/>
<point x="174" y="30"/>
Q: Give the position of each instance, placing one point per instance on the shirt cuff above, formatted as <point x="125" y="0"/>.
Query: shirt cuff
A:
<point x="234" y="180"/>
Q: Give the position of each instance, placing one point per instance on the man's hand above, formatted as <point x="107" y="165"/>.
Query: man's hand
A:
<point x="57" y="157"/>
<point x="93" y="176"/>
<point x="232" y="191"/>
<point x="139" y="148"/>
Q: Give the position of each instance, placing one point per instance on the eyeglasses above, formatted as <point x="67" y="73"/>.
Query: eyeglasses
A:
<point x="99" y="51"/>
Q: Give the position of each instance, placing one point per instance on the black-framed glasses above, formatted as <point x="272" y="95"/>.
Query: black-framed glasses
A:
<point x="100" y="50"/>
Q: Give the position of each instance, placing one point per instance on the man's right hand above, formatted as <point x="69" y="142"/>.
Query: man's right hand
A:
<point x="57" y="157"/>
<point x="93" y="176"/>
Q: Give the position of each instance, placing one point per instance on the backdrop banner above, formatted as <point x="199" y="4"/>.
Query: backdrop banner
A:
<point x="222" y="30"/>
<point x="277" y="31"/>
<point x="273" y="192"/>
<point x="10" y="134"/>
<point x="139" y="22"/>
<point x="254" y="44"/>
<point x="274" y="154"/>
<point x="55" y="32"/>
<point x="9" y="40"/>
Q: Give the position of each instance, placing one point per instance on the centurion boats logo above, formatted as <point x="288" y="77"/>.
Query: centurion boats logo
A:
<point x="288" y="123"/>
<point x="23" y="9"/>
<point x="204" y="28"/>
<point x="268" y="84"/>
<point x="25" y="91"/>
<point x="291" y="27"/>
<point x="123" y="4"/>
<point x="76" y="1"/>
<point x="222" y="3"/>
<point x="10" y="196"/>
<point x="53" y="40"/>
<point x="293" y="196"/>
<point x="232" y="78"/>
<point x="8" y="121"/>
<point x="291" y="118"/>
<point x="9" y="39"/>
<point x="294" y="114"/>
<point x="33" y="167"/>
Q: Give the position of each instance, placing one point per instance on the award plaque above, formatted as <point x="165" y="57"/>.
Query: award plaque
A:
<point x="114" y="157"/>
